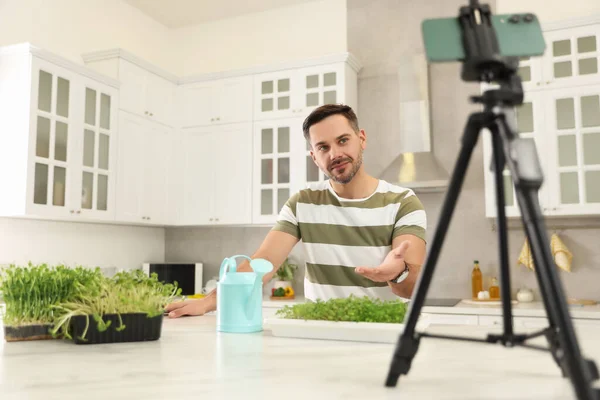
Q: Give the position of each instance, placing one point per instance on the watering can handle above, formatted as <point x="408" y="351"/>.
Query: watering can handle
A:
<point x="230" y="264"/>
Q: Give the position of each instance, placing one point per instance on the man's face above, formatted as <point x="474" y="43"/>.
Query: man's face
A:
<point x="336" y="148"/>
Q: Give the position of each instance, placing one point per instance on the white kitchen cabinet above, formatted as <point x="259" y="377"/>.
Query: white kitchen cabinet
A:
<point x="216" y="102"/>
<point x="291" y="93"/>
<point x="561" y="112"/>
<point x="217" y="174"/>
<point x="144" y="89"/>
<point x="57" y="156"/>
<point x="144" y="155"/>
<point x="146" y="94"/>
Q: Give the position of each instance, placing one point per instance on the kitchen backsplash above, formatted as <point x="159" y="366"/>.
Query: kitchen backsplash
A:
<point x="396" y="35"/>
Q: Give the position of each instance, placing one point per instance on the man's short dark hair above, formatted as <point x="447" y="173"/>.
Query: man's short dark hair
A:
<point x="327" y="110"/>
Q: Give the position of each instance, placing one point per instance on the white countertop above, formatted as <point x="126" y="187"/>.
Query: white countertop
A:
<point x="533" y="309"/>
<point x="193" y="361"/>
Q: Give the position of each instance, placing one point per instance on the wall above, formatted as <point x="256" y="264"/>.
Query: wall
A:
<point x="103" y="245"/>
<point x="284" y="34"/>
<point x="550" y="10"/>
<point x="72" y="27"/>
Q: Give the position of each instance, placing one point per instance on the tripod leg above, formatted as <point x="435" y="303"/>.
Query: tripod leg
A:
<point x="408" y="342"/>
<point x="499" y="162"/>
<point x="525" y="167"/>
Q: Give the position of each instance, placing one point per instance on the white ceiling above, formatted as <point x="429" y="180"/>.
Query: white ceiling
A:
<point x="179" y="13"/>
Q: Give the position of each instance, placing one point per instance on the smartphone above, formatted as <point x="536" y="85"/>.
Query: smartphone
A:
<point x="523" y="38"/>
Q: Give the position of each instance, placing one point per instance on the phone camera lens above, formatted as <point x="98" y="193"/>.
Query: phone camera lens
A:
<point x="514" y="19"/>
<point x="528" y="17"/>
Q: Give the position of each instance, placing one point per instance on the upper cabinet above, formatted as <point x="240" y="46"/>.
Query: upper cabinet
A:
<point x="216" y="102"/>
<point x="146" y="94"/>
<point x="295" y="92"/>
<point x="561" y="113"/>
<point x="58" y="152"/>
<point x="217" y="175"/>
<point x="145" y="90"/>
<point x="571" y="59"/>
<point x="145" y="154"/>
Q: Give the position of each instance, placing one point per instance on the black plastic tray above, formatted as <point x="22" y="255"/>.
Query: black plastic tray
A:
<point x="138" y="328"/>
<point x="27" y="332"/>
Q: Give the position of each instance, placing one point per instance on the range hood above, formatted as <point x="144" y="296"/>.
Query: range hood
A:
<point x="416" y="167"/>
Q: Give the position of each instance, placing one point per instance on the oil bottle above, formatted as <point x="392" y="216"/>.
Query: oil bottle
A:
<point x="494" y="289"/>
<point x="476" y="280"/>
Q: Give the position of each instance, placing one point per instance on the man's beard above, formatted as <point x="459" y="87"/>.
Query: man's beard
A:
<point x="355" y="166"/>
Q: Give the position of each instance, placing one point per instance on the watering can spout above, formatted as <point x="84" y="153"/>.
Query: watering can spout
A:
<point x="261" y="267"/>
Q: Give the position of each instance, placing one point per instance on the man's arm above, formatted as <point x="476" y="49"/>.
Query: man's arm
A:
<point x="414" y="257"/>
<point x="275" y="248"/>
<point x="407" y="248"/>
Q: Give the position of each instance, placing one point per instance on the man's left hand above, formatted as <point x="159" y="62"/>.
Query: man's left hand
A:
<point x="391" y="267"/>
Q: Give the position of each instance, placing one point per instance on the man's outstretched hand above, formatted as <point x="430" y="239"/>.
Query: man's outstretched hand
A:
<point x="391" y="267"/>
<point x="190" y="307"/>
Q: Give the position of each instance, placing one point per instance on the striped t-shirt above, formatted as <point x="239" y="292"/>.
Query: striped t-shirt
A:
<point x="340" y="234"/>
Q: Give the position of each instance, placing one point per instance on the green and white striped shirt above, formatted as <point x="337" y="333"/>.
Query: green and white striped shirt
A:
<point x="340" y="234"/>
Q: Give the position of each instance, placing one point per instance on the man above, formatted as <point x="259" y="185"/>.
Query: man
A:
<point x="362" y="236"/>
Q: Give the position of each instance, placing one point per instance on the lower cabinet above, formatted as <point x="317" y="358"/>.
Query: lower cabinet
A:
<point x="452" y="319"/>
<point x="532" y="322"/>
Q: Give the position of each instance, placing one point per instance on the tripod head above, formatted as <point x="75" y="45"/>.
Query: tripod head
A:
<point x="483" y="61"/>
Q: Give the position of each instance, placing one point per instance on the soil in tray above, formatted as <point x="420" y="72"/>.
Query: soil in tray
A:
<point x="138" y="328"/>
<point x="27" y="332"/>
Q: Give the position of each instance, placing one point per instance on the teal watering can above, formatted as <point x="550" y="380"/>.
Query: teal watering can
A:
<point x="239" y="295"/>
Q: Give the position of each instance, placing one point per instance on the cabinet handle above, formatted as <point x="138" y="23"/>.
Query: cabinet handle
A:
<point x="218" y="118"/>
<point x="210" y="219"/>
<point x="78" y="212"/>
<point x="72" y="211"/>
<point x="212" y="120"/>
<point x="146" y="112"/>
<point x="151" y="114"/>
<point x="216" y="219"/>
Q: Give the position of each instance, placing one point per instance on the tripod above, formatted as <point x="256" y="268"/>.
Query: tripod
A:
<point x="520" y="155"/>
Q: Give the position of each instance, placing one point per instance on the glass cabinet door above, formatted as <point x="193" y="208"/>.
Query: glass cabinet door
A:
<point x="574" y="121"/>
<point x="320" y="85"/>
<point x="273" y="168"/>
<point x="52" y="132"/>
<point x="274" y="95"/>
<point x="573" y="56"/>
<point x="96" y="173"/>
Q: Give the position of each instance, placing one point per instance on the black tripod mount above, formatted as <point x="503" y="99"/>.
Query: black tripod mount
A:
<point x="483" y="63"/>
